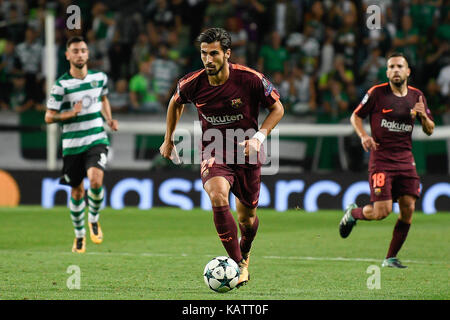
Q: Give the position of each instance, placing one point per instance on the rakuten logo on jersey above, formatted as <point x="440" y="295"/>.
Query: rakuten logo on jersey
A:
<point x="395" y="126"/>
<point x="225" y="119"/>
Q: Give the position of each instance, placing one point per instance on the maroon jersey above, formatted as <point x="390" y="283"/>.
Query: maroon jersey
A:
<point x="391" y="124"/>
<point x="232" y="105"/>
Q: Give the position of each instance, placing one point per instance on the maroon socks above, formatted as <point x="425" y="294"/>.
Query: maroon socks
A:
<point x="227" y="229"/>
<point x="357" y="213"/>
<point x="248" y="234"/>
<point x="398" y="237"/>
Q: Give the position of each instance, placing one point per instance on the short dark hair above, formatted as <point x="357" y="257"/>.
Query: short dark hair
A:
<point x="398" y="54"/>
<point x="74" y="39"/>
<point x="216" y="34"/>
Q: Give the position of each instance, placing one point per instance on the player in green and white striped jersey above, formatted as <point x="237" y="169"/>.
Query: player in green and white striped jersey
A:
<point x="78" y="102"/>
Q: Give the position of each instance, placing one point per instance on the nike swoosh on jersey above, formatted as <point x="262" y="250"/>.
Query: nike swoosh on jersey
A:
<point x="386" y="110"/>
<point x="200" y="104"/>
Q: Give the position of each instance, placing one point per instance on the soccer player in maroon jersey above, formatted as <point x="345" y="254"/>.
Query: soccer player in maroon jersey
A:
<point x="228" y="97"/>
<point x="392" y="108"/>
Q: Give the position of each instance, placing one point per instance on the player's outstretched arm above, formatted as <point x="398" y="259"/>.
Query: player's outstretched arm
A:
<point x="367" y="142"/>
<point x="427" y="123"/>
<point x="52" y="116"/>
<point x="276" y="112"/>
<point x="174" y="112"/>
<point x="106" y="112"/>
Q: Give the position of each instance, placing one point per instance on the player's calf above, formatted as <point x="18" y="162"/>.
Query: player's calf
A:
<point x="378" y="211"/>
<point x="407" y="206"/>
<point x="381" y="214"/>
<point x="248" y="233"/>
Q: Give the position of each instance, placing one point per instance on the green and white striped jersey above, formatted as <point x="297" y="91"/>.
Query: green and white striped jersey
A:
<point x="86" y="129"/>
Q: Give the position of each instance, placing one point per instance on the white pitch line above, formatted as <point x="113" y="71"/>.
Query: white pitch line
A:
<point x="142" y="254"/>
<point x="336" y="259"/>
<point x="150" y="254"/>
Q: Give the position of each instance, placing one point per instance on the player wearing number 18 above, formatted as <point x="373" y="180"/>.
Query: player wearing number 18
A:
<point x="392" y="108"/>
<point x="78" y="102"/>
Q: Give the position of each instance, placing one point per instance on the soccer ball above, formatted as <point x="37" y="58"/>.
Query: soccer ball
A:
<point x="221" y="274"/>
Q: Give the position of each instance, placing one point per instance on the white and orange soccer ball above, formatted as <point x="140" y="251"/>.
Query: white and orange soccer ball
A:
<point x="221" y="274"/>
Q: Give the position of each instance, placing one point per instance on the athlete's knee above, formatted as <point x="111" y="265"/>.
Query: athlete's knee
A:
<point x="406" y="211"/>
<point x="407" y="202"/>
<point x="247" y="216"/>
<point x="95" y="178"/>
<point x="77" y="192"/>
<point x="247" y="220"/>
<point x="382" y="212"/>
<point x="408" y="208"/>
<point x="406" y="218"/>
<point x="218" y="197"/>
<point x="96" y="183"/>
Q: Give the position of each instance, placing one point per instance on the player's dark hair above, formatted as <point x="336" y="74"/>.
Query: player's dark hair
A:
<point x="74" y="39"/>
<point x="216" y="34"/>
<point x="398" y="54"/>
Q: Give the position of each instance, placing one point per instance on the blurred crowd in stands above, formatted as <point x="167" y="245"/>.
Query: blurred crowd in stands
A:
<point x="322" y="56"/>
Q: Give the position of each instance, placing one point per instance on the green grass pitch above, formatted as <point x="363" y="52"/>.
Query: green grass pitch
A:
<point x="161" y="253"/>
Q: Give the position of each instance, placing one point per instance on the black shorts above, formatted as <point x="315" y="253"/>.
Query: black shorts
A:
<point x="75" y="166"/>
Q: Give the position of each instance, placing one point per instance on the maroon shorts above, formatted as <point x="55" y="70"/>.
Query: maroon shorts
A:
<point x="244" y="181"/>
<point x="390" y="185"/>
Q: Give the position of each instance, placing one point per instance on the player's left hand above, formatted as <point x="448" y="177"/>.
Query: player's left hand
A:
<point x="113" y="124"/>
<point x="251" y="146"/>
<point x="419" y="107"/>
